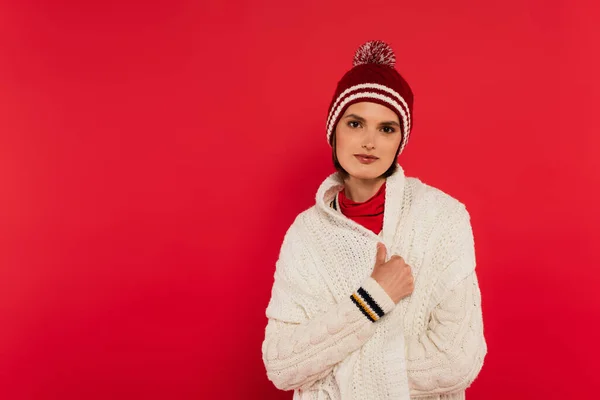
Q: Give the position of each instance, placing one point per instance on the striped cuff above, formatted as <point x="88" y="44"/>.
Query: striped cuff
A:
<point x="372" y="300"/>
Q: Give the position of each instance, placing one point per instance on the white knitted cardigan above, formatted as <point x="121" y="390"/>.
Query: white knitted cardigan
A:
<point x="334" y="333"/>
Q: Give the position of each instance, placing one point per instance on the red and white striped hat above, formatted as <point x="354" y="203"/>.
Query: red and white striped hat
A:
<point x="373" y="78"/>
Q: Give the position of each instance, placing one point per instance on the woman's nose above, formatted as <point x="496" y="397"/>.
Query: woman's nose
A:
<point x="368" y="146"/>
<point x="369" y="139"/>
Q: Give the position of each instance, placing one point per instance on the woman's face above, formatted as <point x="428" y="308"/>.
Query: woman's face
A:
<point x="370" y="129"/>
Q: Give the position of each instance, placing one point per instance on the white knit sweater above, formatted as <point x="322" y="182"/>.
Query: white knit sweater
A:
<point x="334" y="333"/>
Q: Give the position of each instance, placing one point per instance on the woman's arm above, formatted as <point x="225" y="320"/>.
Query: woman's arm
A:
<point x="296" y="355"/>
<point x="297" y="350"/>
<point x="448" y="356"/>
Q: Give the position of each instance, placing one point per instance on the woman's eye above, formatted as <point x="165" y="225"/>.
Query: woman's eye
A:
<point x="353" y="122"/>
<point x="391" y="130"/>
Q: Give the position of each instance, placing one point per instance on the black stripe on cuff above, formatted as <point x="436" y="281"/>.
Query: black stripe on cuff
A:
<point x="363" y="293"/>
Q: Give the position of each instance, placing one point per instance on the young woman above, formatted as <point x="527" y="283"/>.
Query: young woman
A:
<point x="375" y="294"/>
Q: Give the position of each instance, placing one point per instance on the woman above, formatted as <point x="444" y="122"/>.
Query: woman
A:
<point x="375" y="294"/>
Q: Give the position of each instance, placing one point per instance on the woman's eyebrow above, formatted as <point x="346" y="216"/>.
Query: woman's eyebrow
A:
<point x="361" y="119"/>
<point x="355" y="117"/>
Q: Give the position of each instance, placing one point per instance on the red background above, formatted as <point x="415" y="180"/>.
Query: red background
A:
<point x="152" y="156"/>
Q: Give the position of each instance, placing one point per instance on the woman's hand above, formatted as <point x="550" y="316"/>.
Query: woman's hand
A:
<point x="394" y="276"/>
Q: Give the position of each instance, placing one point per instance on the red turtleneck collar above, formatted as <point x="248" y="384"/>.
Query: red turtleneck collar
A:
<point x="368" y="213"/>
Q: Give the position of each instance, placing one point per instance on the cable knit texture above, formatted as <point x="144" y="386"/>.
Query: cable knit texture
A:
<point x="319" y="343"/>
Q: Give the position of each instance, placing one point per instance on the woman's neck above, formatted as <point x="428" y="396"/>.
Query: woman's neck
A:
<point x="361" y="190"/>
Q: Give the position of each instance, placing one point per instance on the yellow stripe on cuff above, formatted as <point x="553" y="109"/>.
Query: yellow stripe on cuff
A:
<point x="365" y="307"/>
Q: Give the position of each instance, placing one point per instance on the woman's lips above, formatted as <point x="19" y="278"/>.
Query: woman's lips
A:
<point x="365" y="160"/>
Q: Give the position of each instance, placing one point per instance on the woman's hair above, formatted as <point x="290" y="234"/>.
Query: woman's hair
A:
<point x="345" y="173"/>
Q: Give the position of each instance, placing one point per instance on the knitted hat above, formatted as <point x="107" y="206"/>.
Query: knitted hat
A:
<point x="373" y="78"/>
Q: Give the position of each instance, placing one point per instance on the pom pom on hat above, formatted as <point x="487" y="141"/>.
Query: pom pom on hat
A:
<point x="375" y="52"/>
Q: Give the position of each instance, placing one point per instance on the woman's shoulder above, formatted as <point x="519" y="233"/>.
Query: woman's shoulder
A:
<point x="432" y="198"/>
<point x="300" y="222"/>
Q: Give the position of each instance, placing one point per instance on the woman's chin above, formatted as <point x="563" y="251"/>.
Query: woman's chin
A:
<point x="365" y="171"/>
